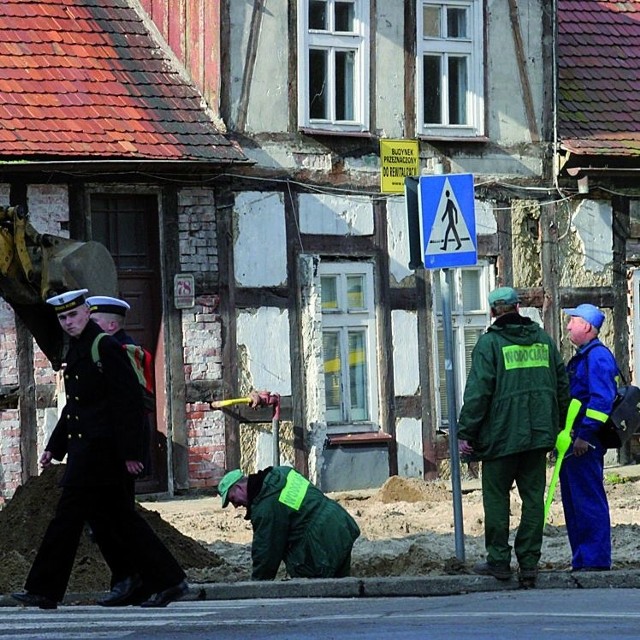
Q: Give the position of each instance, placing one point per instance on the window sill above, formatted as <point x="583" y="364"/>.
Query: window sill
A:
<point x="452" y="138"/>
<point x="359" y="438"/>
<point x="333" y="132"/>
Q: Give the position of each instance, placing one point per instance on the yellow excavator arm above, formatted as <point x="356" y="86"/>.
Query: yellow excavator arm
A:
<point x="34" y="267"/>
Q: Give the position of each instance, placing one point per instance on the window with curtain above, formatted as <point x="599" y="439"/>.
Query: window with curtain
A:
<point x="348" y="344"/>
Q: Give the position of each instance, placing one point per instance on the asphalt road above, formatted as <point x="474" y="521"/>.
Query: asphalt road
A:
<point x="523" y="614"/>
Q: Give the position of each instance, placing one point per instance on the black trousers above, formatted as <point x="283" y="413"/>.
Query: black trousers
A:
<point x="109" y="540"/>
<point x="108" y="510"/>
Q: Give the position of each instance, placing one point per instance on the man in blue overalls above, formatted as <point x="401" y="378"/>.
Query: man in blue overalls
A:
<point x="592" y="379"/>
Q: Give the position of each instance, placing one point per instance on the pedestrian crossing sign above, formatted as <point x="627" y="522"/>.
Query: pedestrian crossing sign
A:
<point x="447" y="220"/>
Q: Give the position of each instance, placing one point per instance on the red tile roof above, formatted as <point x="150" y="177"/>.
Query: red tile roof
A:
<point x="83" y="79"/>
<point x="599" y="77"/>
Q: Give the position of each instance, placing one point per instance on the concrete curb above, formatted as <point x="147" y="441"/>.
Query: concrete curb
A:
<point x="421" y="586"/>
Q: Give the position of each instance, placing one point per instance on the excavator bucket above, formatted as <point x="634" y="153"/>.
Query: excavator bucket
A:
<point x="34" y="267"/>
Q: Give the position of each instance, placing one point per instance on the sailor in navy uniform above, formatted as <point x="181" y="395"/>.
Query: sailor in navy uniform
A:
<point x="109" y="314"/>
<point x="99" y="432"/>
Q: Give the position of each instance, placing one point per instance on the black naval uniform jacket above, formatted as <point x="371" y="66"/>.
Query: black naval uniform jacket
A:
<point x="101" y="424"/>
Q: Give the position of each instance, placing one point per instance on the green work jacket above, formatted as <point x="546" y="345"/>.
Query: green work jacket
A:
<point x="294" y="522"/>
<point x="517" y="391"/>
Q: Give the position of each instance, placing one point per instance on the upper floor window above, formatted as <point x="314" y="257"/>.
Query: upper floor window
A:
<point x="449" y="86"/>
<point x="348" y="344"/>
<point x="333" y="52"/>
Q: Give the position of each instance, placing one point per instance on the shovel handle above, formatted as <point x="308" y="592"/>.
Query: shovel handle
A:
<point x="218" y="404"/>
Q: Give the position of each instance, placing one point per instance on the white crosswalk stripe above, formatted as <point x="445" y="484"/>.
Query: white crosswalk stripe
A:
<point x="94" y="623"/>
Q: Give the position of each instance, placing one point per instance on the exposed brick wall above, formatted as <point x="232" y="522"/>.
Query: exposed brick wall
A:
<point x="9" y="419"/>
<point x="49" y="208"/>
<point x="10" y="461"/>
<point x="8" y="354"/>
<point x="202" y="334"/>
<point x="206" y="446"/>
<point x="197" y="232"/>
<point x="202" y="339"/>
<point x="48" y="213"/>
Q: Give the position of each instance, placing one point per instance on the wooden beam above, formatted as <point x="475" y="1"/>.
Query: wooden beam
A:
<point x="425" y="360"/>
<point x="249" y="63"/>
<point x="527" y="96"/>
<point x="27" y="402"/>
<point x="384" y="335"/>
<point x="224" y="217"/>
<point x="298" y="380"/>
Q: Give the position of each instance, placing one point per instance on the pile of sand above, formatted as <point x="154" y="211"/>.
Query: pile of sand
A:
<point x="23" y="522"/>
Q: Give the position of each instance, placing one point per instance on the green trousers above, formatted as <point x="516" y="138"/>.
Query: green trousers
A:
<point x="528" y="471"/>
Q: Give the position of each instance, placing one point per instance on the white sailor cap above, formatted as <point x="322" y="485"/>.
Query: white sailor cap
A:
<point x="107" y="304"/>
<point x="68" y="300"/>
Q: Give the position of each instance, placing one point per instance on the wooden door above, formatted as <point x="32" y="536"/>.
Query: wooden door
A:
<point x="127" y="224"/>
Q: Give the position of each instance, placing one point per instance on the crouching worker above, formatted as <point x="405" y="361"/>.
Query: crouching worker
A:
<point x="294" y="522"/>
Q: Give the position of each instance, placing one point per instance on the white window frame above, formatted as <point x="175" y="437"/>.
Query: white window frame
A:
<point x="460" y="320"/>
<point x="333" y="42"/>
<point x="358" y="319"/>
<point x="472" y="48"/>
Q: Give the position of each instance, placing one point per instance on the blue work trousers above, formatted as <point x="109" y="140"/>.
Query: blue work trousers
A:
<point x="586" y="509"/>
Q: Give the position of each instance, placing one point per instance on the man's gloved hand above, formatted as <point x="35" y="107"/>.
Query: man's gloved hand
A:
<point x="255" y="400"/>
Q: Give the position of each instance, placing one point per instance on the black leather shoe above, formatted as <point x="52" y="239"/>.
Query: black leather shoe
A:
<point x="122" y="593"/>
<point x="498" y="572"/>
<point x="34" y="600"/>
<point x="163" y="598"/>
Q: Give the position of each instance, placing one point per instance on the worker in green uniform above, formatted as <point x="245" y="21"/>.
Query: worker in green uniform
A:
<point x="294" y="522"/>
<point x="515" y="400"/>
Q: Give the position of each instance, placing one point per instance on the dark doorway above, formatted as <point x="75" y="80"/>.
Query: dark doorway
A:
<point x="127" y="224"/>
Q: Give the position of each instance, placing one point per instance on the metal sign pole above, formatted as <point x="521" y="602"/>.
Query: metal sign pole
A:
<point x="449" y="366"/>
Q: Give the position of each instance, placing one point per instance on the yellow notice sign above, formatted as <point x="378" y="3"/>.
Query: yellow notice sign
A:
<point x="398" y="160"/>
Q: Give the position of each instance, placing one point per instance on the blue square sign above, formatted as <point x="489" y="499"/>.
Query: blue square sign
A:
<point x="447" y="220"/>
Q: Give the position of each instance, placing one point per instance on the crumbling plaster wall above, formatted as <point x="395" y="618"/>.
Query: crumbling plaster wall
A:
<point x="406" y="382"/>
<point x="398" y="242"/>
<point x="335" y="215"/>
<point x="389" y="41"/>
<point x="269" y="98"/>
<point x="260" y="258"/>
<point x="262" y="335"/>
<point x="267" y="110"/>
<point x="311" y="335"/>
<point x="525" y="221"/>
<point x="586" y="255"/>
<point x="586" y="247"/>
<point x="507" y="115"/>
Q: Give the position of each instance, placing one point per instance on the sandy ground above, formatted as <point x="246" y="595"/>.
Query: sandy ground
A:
<point x="407" y="529"/>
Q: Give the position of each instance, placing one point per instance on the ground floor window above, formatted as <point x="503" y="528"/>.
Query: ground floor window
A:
<point x="470" y="317"/>
<point x="349" y="344"/>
